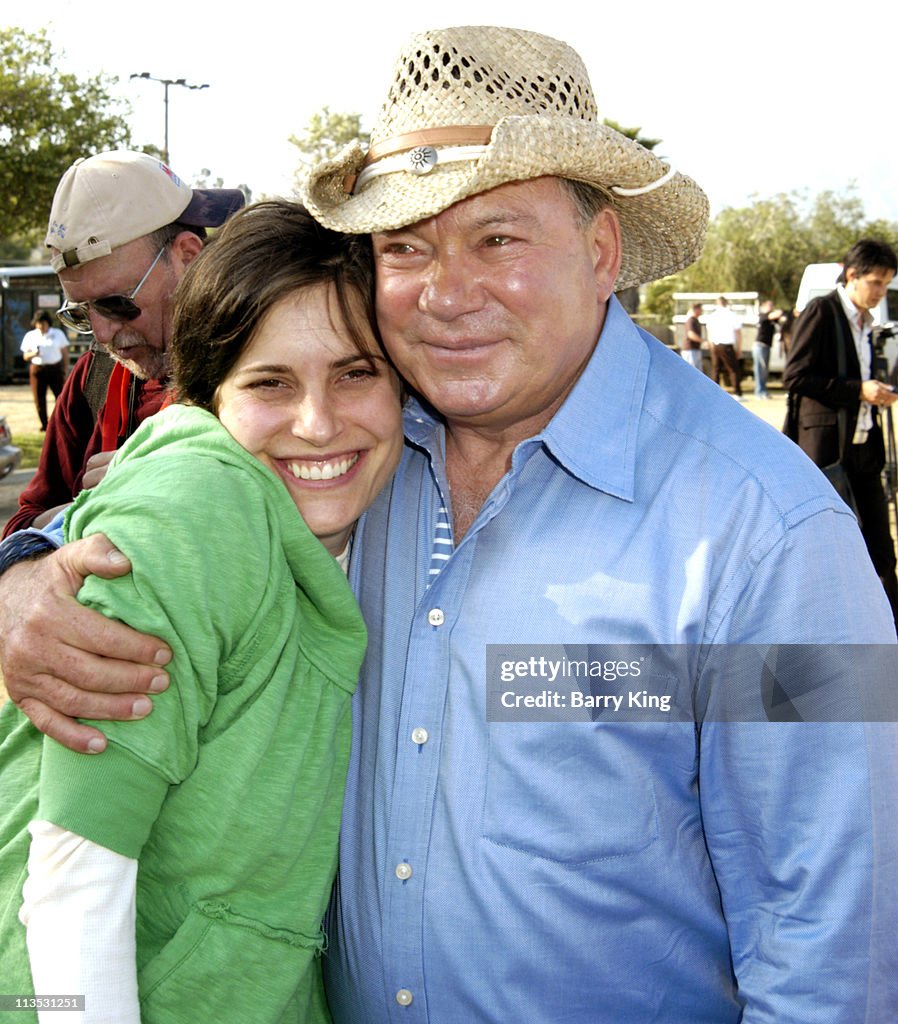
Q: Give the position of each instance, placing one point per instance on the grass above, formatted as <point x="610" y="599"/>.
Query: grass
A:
<point x="31" y="445"/>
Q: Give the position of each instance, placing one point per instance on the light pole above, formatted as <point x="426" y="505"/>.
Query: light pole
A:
<point x="166" y="82"/>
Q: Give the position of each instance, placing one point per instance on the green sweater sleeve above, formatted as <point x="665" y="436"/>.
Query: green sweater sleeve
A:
<point x="199" y="534"/>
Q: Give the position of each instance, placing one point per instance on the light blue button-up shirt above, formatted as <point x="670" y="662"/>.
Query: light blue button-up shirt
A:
<point x="609" y="873"/>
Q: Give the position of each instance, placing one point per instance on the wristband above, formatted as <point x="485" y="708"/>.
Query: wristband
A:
<point x="25" y="544"/>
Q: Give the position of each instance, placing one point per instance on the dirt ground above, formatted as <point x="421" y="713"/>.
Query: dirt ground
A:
<point x="17" y="406"/>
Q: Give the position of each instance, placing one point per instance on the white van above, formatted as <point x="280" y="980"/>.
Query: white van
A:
<point x="820" y="279"/>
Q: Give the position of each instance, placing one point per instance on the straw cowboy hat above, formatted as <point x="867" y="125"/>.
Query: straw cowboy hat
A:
<point x="471" y="108"/>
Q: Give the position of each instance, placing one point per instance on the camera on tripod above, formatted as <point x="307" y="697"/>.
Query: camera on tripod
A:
<point x="885" y="364"/>
<point x="882" y="333"/>
<point x="885" y="369"/>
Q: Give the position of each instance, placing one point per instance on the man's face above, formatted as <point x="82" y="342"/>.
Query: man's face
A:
<point x="866" y="291"/>
<point x="139" y="344"/>
<point x="492" y="308"/>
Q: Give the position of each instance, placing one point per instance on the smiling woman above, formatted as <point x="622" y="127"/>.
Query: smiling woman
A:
<point x="206" y="834"/>
<point x="287" y="356"/>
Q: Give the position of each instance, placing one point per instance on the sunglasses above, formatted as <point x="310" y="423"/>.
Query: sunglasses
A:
<point x="76" y="315"/>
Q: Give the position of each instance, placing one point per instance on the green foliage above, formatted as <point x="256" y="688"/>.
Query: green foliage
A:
<point x="632" y="133"/>
<point x="48" y="119"/>
<point x="658" y="298"/>
<point x="324" y="136"/>
<point x="765" y="247"/>
<point x="16" y="250"/>
<point x="883" y="231"/>
<point x="205" y="180"/>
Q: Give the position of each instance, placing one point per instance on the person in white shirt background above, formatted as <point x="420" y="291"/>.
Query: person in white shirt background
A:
<point x="725" y="338"/>
<point x="46" y="349"/>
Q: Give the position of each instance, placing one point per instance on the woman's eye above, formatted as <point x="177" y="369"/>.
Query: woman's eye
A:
<point x="359" y="373"/>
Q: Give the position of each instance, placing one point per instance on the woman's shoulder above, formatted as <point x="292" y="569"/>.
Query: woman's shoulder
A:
<point x="181" y="472"/>
<point x="189" y="444"/>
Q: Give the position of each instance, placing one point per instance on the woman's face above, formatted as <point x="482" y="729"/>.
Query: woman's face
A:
<point x="325" y="417"/>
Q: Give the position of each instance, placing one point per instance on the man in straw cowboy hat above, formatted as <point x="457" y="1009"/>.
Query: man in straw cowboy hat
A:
<point x="572" y="494"/>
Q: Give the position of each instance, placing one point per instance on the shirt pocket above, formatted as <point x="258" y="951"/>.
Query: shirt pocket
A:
<point x="570" y="793"/>
<point x="219" y="966"/>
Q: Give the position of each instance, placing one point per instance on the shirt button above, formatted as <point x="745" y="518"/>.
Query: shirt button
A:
<point x="404" y="997"/>
<point x="420" y="735"/>
<point x="436" y="617"/>
<point x="403" y="871"/>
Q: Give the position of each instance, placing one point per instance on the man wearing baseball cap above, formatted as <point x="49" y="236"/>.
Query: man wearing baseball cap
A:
<point x="576" y="509"/>
<point x="123" y="227"/>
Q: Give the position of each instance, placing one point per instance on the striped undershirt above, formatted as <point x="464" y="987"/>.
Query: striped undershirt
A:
<point x="442" y="543"/>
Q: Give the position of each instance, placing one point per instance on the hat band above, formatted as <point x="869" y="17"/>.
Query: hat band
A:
<point x="416" y="152"/>
<point x="420" y="160"/>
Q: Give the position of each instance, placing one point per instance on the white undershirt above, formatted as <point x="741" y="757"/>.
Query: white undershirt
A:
<point x="857" y="317"/>
<point x="79" y="913"/>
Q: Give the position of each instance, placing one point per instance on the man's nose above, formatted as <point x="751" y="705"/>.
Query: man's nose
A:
<point x="452" y="287"/>
<point x="104" y="330"/>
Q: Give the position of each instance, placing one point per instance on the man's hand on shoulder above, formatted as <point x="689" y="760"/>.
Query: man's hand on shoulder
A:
<point x="61" y="660"/>
<point x="95" y="469"/>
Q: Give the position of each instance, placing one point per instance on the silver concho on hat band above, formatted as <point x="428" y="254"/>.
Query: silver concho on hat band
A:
<point x="423" y="159"/>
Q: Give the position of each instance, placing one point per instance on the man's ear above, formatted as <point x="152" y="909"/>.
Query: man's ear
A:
<point x="605" y="239"/>
<point x="186" y="246"/>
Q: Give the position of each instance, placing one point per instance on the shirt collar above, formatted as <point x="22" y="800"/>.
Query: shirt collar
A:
<point x="851" y="311"/>
<point x="604" y="405"/>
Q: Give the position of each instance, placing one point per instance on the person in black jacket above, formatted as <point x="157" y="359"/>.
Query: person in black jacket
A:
<point x="812" y="377"/>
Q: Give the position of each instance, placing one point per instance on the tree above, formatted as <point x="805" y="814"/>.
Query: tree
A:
<point x="762" y="247"/>
<point x="765" y="246"/>
<point x="48" y="119"/>
<point x="205" y="180"/>
<point x="632" y="133"/>
<point x="324" y="136"/>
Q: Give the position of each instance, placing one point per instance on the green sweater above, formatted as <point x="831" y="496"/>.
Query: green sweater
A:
<point x="230" y="793"/>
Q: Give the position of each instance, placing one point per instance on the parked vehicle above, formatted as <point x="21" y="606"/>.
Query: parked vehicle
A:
<point x="744" y="304"/>
<point x="23" y="291"/>
<point x="10" y="456"/>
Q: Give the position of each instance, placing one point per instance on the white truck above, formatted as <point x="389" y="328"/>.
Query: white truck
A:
<point x="744" y="304"/>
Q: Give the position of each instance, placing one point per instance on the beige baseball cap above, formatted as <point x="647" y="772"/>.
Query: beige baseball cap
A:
<point x="108" y="200"/>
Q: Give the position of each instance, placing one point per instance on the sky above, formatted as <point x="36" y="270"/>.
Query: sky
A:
<point x="749" y="99"/>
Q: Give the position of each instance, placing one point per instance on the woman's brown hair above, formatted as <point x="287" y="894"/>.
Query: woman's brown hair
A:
<point x="262" y="254"/>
